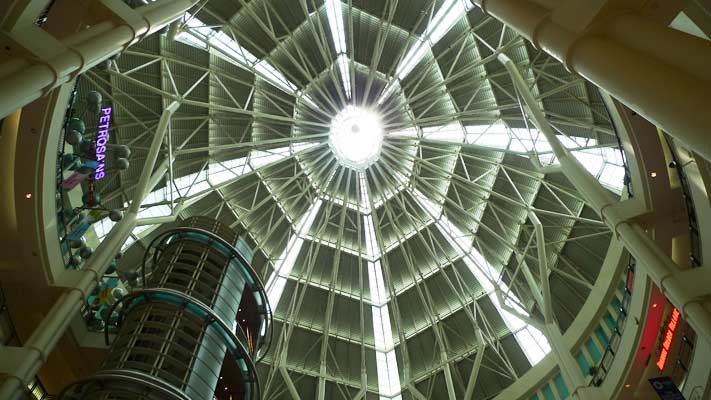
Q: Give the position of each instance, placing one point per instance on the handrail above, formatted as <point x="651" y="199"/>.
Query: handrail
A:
<point x="695" y="256"/>
<point x="684" y="354"/>
<point x="600" y="370"/>
<point x="236" y="346"/>
<point x="166" y="389"/>
<point x="59" y="200"/>
<point x="627" y="180"/>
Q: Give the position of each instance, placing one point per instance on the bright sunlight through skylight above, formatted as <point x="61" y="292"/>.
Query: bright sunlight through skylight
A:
<point x="356" y="137"/>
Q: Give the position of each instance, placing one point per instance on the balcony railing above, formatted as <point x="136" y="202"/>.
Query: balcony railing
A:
<point x="600" y="371"/>
<point x="598" y="350"/>
<point x="695" y="256"/>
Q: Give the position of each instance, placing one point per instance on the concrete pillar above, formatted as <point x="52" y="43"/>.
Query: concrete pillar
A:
<point x="8" y="141"/>
<point x="53" y="326"/>
<point x="659" y="72"/>
<point x="650" y="258"/>
<point x="36" y="70"/>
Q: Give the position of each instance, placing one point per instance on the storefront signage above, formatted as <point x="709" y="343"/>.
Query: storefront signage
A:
<point x="102" y="139"/>
<point x="667" y="339"/>
<point x="666" y="388"/>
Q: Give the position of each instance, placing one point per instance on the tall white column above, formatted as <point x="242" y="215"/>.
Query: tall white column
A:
<point x="660" y="73"/>
<point x="650" y="258"/>
<point x="569" y="369"/>
<point x="38" y="69"/>
<point x="52" y="328"/>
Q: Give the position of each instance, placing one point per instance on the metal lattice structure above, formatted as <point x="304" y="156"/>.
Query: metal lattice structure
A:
<point x="402" y="279"/>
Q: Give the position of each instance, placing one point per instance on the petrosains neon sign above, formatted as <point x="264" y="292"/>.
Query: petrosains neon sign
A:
<point x="102" y="138"/>
<point x="667" y="339"/>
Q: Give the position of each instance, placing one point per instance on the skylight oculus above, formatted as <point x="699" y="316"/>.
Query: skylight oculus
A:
<point x="356" y="137"/>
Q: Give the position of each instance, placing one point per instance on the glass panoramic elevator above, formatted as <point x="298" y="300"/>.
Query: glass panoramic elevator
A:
<point x="200" y="304"/>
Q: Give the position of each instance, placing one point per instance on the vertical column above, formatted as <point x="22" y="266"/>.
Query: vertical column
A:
<point x="569" y="370"/>
<point x="650" y="258"/>
<point x="660" y="73"/>
<point x="51" y="329"/>
<point x="32" y="70"/>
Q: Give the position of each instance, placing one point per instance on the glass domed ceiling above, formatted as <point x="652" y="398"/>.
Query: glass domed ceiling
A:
<point x="377" y="156"/>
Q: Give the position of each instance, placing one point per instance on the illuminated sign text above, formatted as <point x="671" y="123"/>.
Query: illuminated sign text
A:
<point x="667" y="340"/>
<point x="102" y="138"/>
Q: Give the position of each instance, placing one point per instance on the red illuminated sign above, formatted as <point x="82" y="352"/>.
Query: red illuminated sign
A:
<point x="666" y="343"/>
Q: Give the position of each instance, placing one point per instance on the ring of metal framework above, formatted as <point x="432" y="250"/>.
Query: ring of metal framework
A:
<point x="162" y="240"/>
<point x="165" y="389"/>
<point x="444" y="210"/>
<point x="234" y="342"/>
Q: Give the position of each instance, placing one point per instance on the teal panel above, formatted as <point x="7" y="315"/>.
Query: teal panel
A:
<point x="602" y="336"/>
<point x="616" y="303"/>
<point x="548" y="392"/>
<point x="583" y="363"/>
<point x="244" y="249"/>
<point x="609" y="320"/>
<point x="560" y="385"/>
<point x="593" y="350"/>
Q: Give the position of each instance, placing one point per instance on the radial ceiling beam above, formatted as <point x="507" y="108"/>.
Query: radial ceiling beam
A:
<point x="388" y="371"/>
<point x="321" y="391"/>
<point x="431" y="251"/>
<point x="298" y="64"/>
<point x="425" y="299"/>
<point x="474" y="374"/>
<point x="216" y="107"/>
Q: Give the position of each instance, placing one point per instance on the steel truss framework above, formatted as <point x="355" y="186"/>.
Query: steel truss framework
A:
<point x="462" y="172"/>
